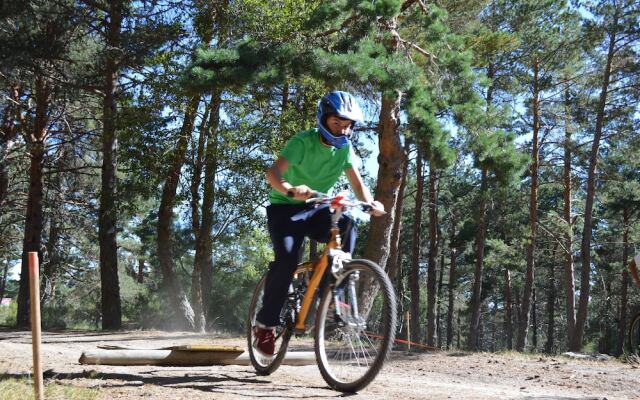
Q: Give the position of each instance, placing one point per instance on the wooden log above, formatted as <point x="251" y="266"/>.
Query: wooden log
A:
<point x="182" y="357"/>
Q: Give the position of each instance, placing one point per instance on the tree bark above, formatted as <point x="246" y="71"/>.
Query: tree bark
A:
<point x="203" y="264"/>
<point x="585" y="247"/>
<point x="569" y="280"/>
<point x="196" y="179"/>
<point x="391" y="160"/>
<point x="107" y="224"/>
<point x="140" y="274"/>
<point x="172" y="287"/>
<point x="433" y="256"/>
<point x="523" y="327"/>
<point x="50" y="268"/>
<point x="508" y="309"/>
<point x="534" y="321"/>
<point x="452" y="296"/>
<point x="439" y="301"/>
<point x="391" y="165"/>
<point x="414" y="283"/>
<point x="551" y="301"/>
<point x="476" y="296"/>
<point x="3" y="283"/>
<point x="34" y="221"/>
<point x="8" y="133"/>
<point x="624" y="289"/>
<point x="394" y="253"/>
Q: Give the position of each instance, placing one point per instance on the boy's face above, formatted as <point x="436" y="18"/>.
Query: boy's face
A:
<point x="339" y="126"/>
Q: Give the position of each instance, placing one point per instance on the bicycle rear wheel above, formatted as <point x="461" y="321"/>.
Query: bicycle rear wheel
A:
<point x="634" y="335"/>
<point x="355" y="326"/>
<point x="265" y="365"/>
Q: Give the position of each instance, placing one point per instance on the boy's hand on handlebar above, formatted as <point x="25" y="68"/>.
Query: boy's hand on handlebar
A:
<point x="301" y="192"/>
<point x="377" y="208"/>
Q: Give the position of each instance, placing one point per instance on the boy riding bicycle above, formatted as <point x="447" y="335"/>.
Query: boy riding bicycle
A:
<point x="311" y="161"/>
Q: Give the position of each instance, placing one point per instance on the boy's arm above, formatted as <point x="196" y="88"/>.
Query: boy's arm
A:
<point x="275" y="178"/>
<point x="361" y="191"/>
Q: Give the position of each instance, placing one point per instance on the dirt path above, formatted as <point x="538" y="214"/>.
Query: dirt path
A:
<point x="439" y="375"/>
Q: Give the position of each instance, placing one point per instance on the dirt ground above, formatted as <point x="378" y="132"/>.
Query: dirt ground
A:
<point x="432" y="375"/>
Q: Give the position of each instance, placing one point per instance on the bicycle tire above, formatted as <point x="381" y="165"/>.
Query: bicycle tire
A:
<point x="352" y="344"/>
<point x="633" y="336"/>
<point x="265" y="365"/>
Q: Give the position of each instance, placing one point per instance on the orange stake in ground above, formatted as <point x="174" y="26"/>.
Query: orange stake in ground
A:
<point x="34" y="286"/>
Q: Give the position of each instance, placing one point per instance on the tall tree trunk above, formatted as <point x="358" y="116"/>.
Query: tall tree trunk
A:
<point x="34" y="216"/>
<point x="585" y="247"/>
<point x="433" y="255"/>
<point x="551" y="302"/>
<point x="391" y="160"/>
<point x="203" y="265"/>
<point x="391" y="165"/>
<point x="606" y="323"/>
<point x="172" y="287"/>
<point x="459" y="333"/>
<point x="569" y="280"/>
<point x="523" y="327"/>
<point x="534" y="320"/>
<point x="107" y="224"/>
<point x="624" y="289"/>
<point x="3" y="283"/>
<point x="476" y="296"/>
<point x="452" y="294"/>
<point x="50" y="268"/>
<point x="494" y="323"/>
<point x="508" y="309"/>
<point x="439" y="302"/>
<point x="11" y="122"/>
<point x="196" y="179"/>
<point x="414" y="283"/>
<point x="140" y="274"/>
<point x="394" y="254"/>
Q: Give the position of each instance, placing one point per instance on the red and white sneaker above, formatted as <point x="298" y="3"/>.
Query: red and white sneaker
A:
<point x="265" y="341"/>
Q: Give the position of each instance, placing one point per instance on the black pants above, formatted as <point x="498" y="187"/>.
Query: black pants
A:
<point x="288" y="225"/>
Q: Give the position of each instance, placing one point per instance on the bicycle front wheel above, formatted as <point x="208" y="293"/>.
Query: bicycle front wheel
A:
<point x="634" y="335"/>
<point x="355" y="326"/>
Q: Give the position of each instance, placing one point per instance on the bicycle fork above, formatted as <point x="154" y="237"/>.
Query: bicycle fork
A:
<point x="346" y="301"/>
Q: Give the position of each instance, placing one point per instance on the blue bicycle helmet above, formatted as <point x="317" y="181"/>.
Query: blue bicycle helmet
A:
<point x="343" y="105"/>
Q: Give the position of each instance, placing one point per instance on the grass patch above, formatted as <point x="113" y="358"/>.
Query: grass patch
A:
<point x="22" y="389"/>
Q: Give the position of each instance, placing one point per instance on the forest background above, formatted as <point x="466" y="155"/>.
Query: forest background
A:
<point x="134" y="136"/>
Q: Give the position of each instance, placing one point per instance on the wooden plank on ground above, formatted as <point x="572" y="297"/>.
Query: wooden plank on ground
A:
<point x="189" y="357"/>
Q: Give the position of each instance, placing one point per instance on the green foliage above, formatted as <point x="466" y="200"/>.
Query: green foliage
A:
<point x="496" y="152"/>
<point x="239" y="267"/>
<point x="8" y="314"/>
<point x="380" y="8"/>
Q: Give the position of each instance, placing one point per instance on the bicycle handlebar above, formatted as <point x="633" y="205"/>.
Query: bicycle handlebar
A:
<point x="323" y="198"/>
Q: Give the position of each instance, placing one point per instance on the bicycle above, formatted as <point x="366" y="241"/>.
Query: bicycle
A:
<point x="355" y="317"/>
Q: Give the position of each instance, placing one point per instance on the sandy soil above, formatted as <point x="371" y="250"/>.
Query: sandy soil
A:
<point x="432" y="375"/>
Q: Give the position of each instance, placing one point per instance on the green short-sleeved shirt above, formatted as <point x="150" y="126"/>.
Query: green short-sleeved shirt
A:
<point x="313" y="164"/>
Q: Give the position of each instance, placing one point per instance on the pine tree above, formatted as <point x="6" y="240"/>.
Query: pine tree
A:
<point x="616" y="22"/>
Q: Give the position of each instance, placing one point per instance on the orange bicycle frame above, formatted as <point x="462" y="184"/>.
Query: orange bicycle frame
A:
<point x="318" y="267"/>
